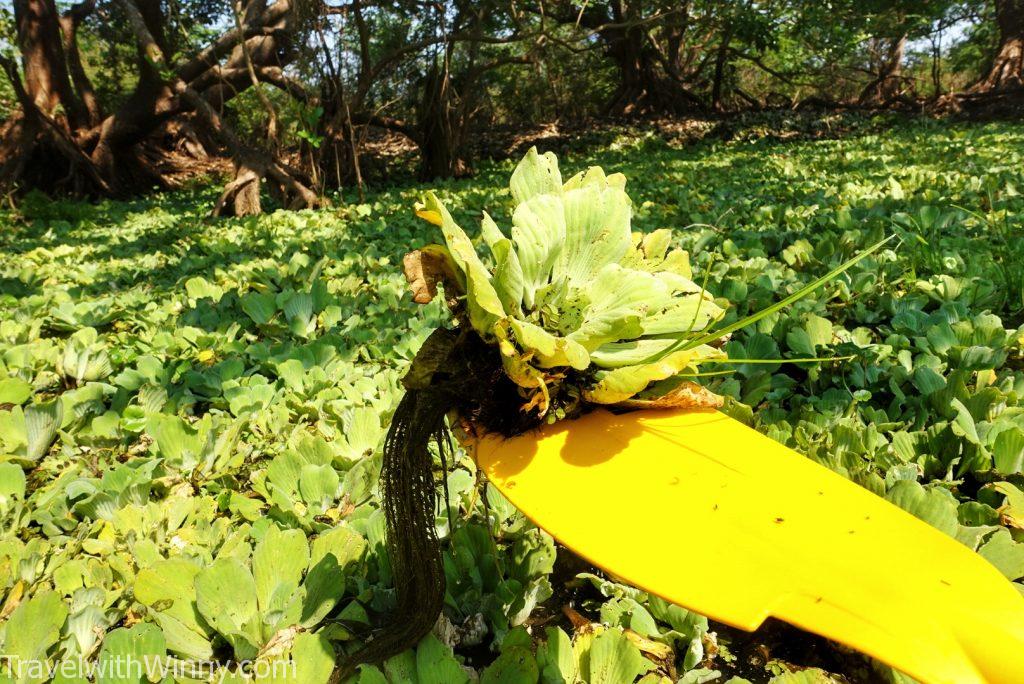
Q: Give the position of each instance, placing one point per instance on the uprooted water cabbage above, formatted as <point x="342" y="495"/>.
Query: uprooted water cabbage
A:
<point x="577" y="310"/>
<point x="577" y="304"/>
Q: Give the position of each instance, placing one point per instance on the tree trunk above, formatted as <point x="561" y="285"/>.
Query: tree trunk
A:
<point x="59" y="141"/>
<point x="38" y="150"/>
<point x="336" y="157"/>
<point x="721" y="58"/>
<point x="37" y="144"/>
<point x="69" y="23"/>
<point x="887" y="86"/>
<point x="75" y="152"/>
<point x="45" y="74"/>
<point x="150" y="105"/>
<point x="643" y="88"/>
<point x="241" y="197"/>
<point x="1007" y="71"/>
<point x="269" y="50"/>
<point x="251" y="165"/>
<point x="440" y="136"/>
<point x="116" y="153"/>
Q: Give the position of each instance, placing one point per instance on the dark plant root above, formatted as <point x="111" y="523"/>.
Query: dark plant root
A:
<point x="469" y="382"/>
<point x="408" y="493"/>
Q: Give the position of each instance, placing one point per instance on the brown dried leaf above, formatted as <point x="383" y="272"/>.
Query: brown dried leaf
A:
<point x="421" y="280"/>
<point x="346" y="507"/>
<point x="424" y="269"/>
<point x="686" y="395"/>
<point x="578" y="620"/>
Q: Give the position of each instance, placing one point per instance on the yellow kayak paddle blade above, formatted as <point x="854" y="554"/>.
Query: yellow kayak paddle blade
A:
<point x="711" y="515"/>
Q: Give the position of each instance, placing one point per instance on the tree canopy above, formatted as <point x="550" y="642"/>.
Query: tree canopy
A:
<point x="110" y="97"/>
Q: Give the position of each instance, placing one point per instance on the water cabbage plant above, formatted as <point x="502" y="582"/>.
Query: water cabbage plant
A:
<point x="576" y="311"/>
<point x="579" y="307"/>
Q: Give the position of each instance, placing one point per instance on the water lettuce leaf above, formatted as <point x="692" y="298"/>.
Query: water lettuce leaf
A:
<point x="571" y="280"/>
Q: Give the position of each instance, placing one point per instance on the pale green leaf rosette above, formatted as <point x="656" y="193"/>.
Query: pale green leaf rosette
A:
<point x="575" y="301"/>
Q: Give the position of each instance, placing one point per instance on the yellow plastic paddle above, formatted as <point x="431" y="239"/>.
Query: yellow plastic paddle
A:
<point x="639" y="494"/>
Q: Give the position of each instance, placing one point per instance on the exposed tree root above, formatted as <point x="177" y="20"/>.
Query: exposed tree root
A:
<point x="659" y="97"/>
<point x="37" y="152"/>
<point x="241" y="197"/>
<point x="61" y="142"/>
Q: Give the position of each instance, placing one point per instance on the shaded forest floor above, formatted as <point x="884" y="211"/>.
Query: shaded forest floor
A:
<point x="389" y="158"/>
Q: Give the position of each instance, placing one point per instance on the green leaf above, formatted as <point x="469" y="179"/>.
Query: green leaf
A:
<point x="318" y="486"/>
<point x="819" y="330"/>
<point x="14" y="391"/>
<point x="342" y="542"/>
<point x="1008" y="451"/>
<point x="181" y="443"/>
<point x="481" y="298"/>
<point x="597" y="227"/>
<point x="247" y="507"/>
<point x="167" y="588"/>
<point x="964" y="425"/>
<point x="934" y="505"/>
<point x="363" y="433"/>
<point x="12" y="484"/>
<point x="556" y="659"/>
<point x="619" y="301"/>
<point x="614" y="659"/>
<point x="371" y="674"/>
<point x="928" y="381"/>
<point x="41" y="423"/>
<point x="310" y="660"/>
<point x="535" y="175"/>
<point x="514" y="666"/>
<point x="260" y="307"/>
<point x="549" y="350"/>
<point x="435" y="663"/>
<point x="1001" y="551"/>
<point x="508" y="272"/>
<point x="633" y="352"/>
<point x="298" y="311"/>
<point x="200" y="288"/>
<point x="85" y="357"/>
<point x="333" y="554"/>
<point x="402" y="667"/>
<point x="538" y="232"/>
<point x="895" y="189"/>
<point x="620" y="384"/>
<point x="361" y="478"/>
<point x="278" y="562"/>
<point x="226" y="598"/>
<point x="31" y="630"/>
<point x="795" y="297"/>
<point x="799" y="341"/>
<point x="132" y="656"/>
<point x="700" y="675"/>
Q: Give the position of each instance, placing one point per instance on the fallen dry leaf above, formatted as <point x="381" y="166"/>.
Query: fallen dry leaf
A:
<point x="578" y="620"/>
<point x="688" y="395"/>
<point x="424" y="268"/>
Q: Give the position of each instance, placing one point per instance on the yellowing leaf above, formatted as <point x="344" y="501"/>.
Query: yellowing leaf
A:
<point x="430" y="216"/>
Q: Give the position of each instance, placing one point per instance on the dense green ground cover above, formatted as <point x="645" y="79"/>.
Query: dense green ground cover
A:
<point x="191" y="410"/>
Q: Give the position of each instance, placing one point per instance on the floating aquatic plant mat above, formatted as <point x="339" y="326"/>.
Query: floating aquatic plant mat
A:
<point x="578" y="313"/>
